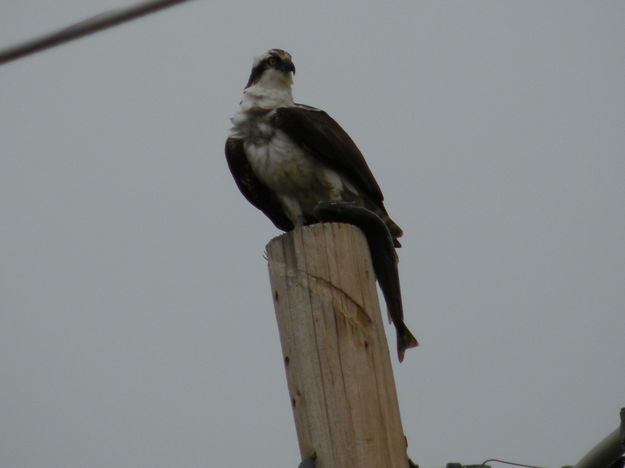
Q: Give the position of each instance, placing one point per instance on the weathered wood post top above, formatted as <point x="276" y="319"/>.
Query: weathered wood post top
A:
<point x="335" y="351"/>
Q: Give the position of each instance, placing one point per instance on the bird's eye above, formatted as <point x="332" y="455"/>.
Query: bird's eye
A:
<point x="272" y="61"/>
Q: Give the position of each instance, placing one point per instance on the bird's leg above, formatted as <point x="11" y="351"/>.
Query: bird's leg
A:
<point x="300" y="221"/>
<point x="293" y="211"/>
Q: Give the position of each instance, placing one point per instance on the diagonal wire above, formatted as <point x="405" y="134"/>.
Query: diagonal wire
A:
<point x="82" y="28"/>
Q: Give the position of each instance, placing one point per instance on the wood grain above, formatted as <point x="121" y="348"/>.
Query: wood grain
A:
<point x="335" y="351"/>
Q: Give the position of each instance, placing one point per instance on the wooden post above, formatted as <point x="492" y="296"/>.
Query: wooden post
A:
<point x="335" y="351"/>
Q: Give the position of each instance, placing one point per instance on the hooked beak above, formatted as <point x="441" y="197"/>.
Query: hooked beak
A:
<point x="287" y="66"/>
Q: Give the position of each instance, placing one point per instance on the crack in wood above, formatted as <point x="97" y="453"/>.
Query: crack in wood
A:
<point x="328" y="292"/>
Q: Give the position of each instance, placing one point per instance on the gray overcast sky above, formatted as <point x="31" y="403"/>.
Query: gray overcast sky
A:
<point x="136" y="323"/>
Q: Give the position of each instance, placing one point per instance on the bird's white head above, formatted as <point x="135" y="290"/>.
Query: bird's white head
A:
<point x="270" y="82"/>
<point x="273" y="69"/>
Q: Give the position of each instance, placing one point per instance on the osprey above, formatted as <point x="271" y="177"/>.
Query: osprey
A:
<point x="287" y="157"/>
<point x="299" y="167"/>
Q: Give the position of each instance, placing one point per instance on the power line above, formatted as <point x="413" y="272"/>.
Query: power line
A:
<point x="508" y="463"/>
<point x="82" y="28"/>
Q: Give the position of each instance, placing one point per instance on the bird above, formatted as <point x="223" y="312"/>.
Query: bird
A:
<point x="287" y="157"/>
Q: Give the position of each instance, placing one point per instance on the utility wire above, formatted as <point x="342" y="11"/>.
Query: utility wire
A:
<point x="508" y="463"/>
<point x="87" y="26"/>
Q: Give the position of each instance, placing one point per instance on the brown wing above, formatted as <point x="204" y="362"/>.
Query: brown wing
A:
<point x="322" y="137"/>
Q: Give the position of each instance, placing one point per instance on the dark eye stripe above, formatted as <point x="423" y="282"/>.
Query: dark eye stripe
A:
<point x="258" y="70"/>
